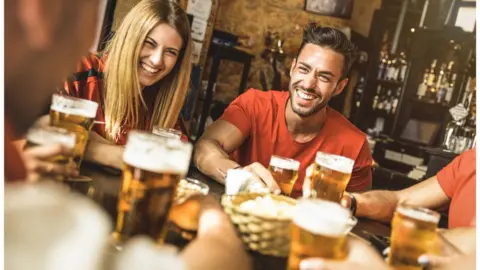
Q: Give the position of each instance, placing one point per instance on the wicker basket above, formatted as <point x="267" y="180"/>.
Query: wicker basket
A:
<point x="266" y="235"/>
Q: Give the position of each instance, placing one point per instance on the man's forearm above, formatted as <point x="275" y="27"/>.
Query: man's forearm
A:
<point x="377" y="205"/>
<point x="212" y="160"/>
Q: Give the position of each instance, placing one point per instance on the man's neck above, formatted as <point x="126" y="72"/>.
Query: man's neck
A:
<point x="298" y="125"/>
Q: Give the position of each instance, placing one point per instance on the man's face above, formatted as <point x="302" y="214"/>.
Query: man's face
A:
<point x="315" y="79"/>
<point x="67" y="33"/>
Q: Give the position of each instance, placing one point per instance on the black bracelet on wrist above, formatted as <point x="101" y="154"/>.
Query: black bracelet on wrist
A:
<point x="353" y="204"/>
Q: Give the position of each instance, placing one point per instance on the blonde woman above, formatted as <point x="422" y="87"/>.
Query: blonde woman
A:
<point x="140" y="80"/>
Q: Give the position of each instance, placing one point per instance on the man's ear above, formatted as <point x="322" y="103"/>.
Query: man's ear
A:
<point x="292" y="67"/>
<point x="37" y="19"/>
<point x="341" y="85"/>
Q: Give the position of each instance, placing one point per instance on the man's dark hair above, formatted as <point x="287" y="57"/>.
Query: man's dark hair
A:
<point x="333" y="39"/>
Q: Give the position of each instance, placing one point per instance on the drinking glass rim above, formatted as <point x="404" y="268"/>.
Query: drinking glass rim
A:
<point x="293" y="161"/>
<point x="197" y="182"/>
<point x="407" y="206"/>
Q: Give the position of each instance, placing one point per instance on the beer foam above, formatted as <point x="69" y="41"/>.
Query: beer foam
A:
<point x="157" y="154"/>
<point x="418" y="214"/>
<point x="322" y="217"/>
<point x="75" y="106"/>
<point x="51" y="135"/>
<point x="285" y="163"/>
<point x="335" y="162"/>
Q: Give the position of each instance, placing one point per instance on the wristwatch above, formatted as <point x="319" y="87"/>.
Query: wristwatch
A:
<point x="353" y="204"/>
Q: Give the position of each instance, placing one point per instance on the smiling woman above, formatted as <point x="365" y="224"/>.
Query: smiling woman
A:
<point x="140" y="80"/>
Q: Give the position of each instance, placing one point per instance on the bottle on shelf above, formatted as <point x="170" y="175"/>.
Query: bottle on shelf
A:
<point x="395" y="100"/>
<point x="431" y="87"/>
<point x="449" y="89"/>
<point x="388" y="101"/>
<point x="376" y="98"/>
<point x="382" y="69"/>
<point x="422" y="87"/>
<point x="402" y="71"/>
<point x="441" y="81"/>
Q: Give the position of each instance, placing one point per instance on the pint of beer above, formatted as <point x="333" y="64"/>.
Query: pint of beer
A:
<point x="319" y="229"/>
<point x="413" y="234"/>
<point x="285" y="172"/>
<point x="167" y="132"/>
<point x="330" y="176"/>
<point x="76" y="115"/>
<point x="153" y="166"/>
<point x="48" y="135"/>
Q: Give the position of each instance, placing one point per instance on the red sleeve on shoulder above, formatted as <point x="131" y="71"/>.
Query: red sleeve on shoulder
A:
<point x="362" y="170"/>
<point x="240" y="111"/>
<point x="448" y="177"/>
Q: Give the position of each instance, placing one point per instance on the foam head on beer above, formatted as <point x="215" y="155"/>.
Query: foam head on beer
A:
<point x="322" y="217"/>
<point x="418" y="214"/>
<point x="157" y="154"/>
<point x="75" y="106"/>
<point x="285" y="163"/>
<point x="51" y="135"/>
<point x="335" y="162"/>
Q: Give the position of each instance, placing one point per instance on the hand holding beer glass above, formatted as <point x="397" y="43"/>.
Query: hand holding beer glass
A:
<point x="330" y="176"/>
<point x="285" y="172"/>
<point x="76" y="115"/>
<point x="153" y="166"/>
<point x="48" y="153"/>
<point x="319" y="230"/>
<point x="414" y="233"/>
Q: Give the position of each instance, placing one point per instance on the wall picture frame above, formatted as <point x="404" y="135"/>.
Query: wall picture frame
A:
<point x="333" y="8"/>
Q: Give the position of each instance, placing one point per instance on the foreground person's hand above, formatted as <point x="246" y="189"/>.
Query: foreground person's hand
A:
<point x="361" y="256"/>
<point x="38" y="162"/>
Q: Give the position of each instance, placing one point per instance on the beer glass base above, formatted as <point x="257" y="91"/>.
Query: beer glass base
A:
<point x="81" y="184"/>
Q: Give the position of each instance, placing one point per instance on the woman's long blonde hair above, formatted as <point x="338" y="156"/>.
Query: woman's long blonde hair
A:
<point x="123" y="92"/>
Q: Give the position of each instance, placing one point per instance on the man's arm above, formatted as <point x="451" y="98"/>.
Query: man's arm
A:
<point x="380" y="204"/>
<point x="211" y="155"/>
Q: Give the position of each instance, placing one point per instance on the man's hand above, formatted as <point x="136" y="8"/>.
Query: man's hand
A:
<point x="38" y="162"/>
<point x="360" y="256"/>
<point x="261" y="173"/>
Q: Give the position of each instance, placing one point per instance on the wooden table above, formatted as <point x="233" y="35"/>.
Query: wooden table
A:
<point x="106" y="185"/>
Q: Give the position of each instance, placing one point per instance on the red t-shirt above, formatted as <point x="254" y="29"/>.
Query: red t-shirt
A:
<point x="87" y="83"/>
<point x="458" y="181"/>
<point x="260" y="116"/>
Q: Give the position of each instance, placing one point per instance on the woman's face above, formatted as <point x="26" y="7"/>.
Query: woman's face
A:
<point x="159" y="53"/>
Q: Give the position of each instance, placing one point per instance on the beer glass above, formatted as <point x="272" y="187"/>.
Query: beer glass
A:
<point x="330" y="176"/>
<point x="167" y="132"/>
<point x="153" y="165"/>
<point x="76" y="115"/>
<point x="319" y="229"/>
<point x="285" y="172"/>
<point x="38" y="136"/>
<point x="414" y="232"/>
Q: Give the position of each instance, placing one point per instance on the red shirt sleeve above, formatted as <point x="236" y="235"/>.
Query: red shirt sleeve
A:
<point x="238" y="112"/>
<point x="362" y="170"/>
<point x="85" y="81"/>
<point x="451" y="175"/>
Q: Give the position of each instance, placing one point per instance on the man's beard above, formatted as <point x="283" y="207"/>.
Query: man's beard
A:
<point x="302" y="112"/>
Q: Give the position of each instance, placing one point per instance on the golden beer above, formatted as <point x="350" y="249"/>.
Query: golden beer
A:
<point x="285" y="172"/>
<point x="153" y="166"/>
<point x="38" y="136"/>
<point x="167" y="132"/>
<point x="319" y="229"/>
<point x="76" y="115"/>
<point x="413" y="234"/>
<point x="330" y="177"/>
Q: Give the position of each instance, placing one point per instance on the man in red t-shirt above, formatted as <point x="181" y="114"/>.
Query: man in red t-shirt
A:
<point x="294" y="124"/>
<point x="454" y="184"/>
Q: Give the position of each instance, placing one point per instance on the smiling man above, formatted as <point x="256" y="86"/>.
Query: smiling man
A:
<point x="294" y="124"/>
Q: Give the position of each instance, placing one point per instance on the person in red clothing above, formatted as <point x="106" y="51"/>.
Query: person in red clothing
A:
<point x="140" y="80"/>
<point x="39" y="51"/>
<point x="294" y="124"/>
<point x="455" y="185"/>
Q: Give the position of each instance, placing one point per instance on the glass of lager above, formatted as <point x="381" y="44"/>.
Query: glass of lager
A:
<point x="76" y="115"/>
<point x="414" y="232"/>
<point x="48" y="135"/>
<point x="153" y="166"/>
<point x="330" y="177"/>
<point x="285" y="172"/>
<point x="167" y="132"/>
<point x="319" y="229"/>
